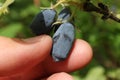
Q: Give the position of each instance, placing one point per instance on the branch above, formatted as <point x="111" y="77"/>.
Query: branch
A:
<point x="102" y="9"/>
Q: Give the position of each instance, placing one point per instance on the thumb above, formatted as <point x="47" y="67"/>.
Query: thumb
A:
<point x="60" y="76"/>
<point x="19" y="55"/>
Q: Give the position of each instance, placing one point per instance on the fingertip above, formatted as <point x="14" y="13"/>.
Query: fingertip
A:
<point x="60" y="76"/>
<point x="81" y="54"/>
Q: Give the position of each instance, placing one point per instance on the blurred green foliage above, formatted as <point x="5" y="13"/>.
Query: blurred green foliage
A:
<point x="103" y="36"/>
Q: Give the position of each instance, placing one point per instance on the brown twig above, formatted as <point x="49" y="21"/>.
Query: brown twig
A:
<point x="37" y="2"/>
<point x="102" y="9"/>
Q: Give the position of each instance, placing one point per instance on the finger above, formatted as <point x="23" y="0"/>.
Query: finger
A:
<point x="60" y="76"/>
<point x="80" y="55"/>
<point x="20" y="55"/>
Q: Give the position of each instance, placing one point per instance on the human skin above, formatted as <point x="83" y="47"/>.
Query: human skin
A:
<point x="30" y="59"/>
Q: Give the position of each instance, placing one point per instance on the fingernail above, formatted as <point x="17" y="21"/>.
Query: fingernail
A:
<point x="35" y="39"/>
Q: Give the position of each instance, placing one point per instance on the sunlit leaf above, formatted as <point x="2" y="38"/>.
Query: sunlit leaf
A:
<point x="96" y="73"/>
<point x="118" y="15"/>
<point x="114" y="74"/>
<point x="3" y="8"/>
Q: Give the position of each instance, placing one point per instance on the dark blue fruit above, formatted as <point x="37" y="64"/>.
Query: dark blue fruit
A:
<point x="64" y="15"/>
<point x="62" y="41"/>
<point x="42" y="22"/>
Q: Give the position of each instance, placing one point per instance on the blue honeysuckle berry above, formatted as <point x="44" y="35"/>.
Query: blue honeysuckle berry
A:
<point x="62" y="41"/>
<point x="42" y="22"/>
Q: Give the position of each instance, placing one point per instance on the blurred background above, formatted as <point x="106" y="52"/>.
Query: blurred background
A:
<point x="103" y="36"/>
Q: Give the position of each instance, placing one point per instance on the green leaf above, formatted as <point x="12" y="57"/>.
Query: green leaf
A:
<point x="114" y="74"/>
<point x="11" y="30"/>
<point x="96" y="73"/>
<point x="77" y="78"/>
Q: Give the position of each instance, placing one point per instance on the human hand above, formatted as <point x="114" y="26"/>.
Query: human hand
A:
<point x="30" y="59"/>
